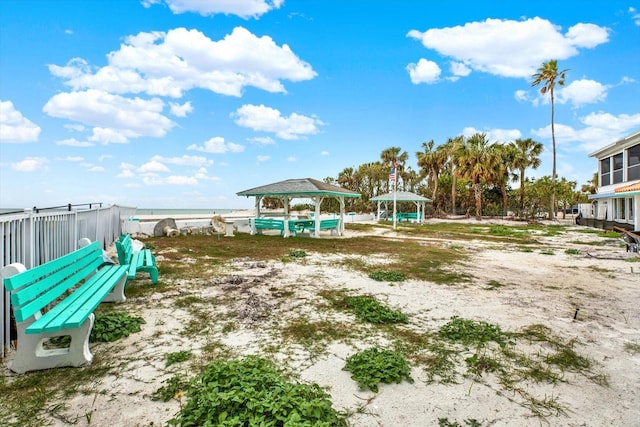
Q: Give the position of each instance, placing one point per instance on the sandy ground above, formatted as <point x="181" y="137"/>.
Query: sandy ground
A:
<point x="538" y="289"/>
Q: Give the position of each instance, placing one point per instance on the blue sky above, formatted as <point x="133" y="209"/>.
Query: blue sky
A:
<point x="184" y="103"/>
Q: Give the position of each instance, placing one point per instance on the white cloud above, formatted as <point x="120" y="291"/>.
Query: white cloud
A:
<point x="600" y="129"/>
<point x="460" y="69"/>
<point x="324" y="153"/>
<point x="181" y="110"/>
<point x="96" y="169"/>
<point x="153" y="166"/>
<point x="115" y="118"/>
<point x="14" y="127"/>
<point x="521" y="95"/>
<point x="30" y="164"/>
<point x="216" y="145"/>
<point x="183" y="161"/>
<point x="581" y="92"/>
<point x="72" y="159"/>
<point x="263" y="158"/>
<point x="266" y="119"/>
<point x="72" y="142"/>
<point x="104" y="157"/>
<point x="424" y="72"/>
<point x="509" y="48"/>
<point x="634" y="15"/>
<point x="242" y="8"/>
<point x="169" y="63"/>
<point x="262" y="140"/>
<point x="169" y="180"/>
<point x="292" y="159"/>
<point x="495" y="135"/>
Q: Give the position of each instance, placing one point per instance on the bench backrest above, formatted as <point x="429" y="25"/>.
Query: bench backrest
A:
<point x="34" y="289"/>
<point x="328" y="223"/>
<point x="269" y="223"/>
<point x="124" y="248"/>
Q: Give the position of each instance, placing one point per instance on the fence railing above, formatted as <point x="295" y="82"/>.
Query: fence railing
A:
<point x="34" y="237"/>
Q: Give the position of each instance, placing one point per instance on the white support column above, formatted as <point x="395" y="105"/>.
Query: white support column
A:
<point x="341" y="225"/>
<point x="285" y="202"/>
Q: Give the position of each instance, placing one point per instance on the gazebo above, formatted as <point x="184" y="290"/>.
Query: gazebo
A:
<point x="403" y="196"/>
<point x="305" y="188"/>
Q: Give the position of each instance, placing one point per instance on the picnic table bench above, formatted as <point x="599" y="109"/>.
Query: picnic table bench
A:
<point x="58" y="299"/>
<point x="267" y="224"/>
<point x="330" y="224"/>
<point x="136" y="260"/>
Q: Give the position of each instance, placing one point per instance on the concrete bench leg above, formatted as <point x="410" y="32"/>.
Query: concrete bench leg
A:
<point x="117" y="294"/>
<point x="32" y="356"/>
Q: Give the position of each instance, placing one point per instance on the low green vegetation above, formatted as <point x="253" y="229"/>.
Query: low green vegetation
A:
<point x="387" y="276"/>
<point x="178" y="357"/>
<point x="252" y="391"/>
<point x="375" y="365"/>
<point x="114" y="325"/>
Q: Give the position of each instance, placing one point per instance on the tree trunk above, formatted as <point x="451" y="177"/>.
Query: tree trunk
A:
<point x="477" y="190"/>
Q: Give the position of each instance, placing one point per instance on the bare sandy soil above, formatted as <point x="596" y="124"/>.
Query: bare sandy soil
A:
<point x="540" y="287"/>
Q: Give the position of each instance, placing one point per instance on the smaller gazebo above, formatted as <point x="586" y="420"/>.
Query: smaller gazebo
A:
<point x="401" y="197"/>
<point x="305" y="188"/>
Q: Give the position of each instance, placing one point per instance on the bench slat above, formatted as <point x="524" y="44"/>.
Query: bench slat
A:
<point x="55" y="290"/>
<point x="34" y="274"/>
<point x="76" y="307"/>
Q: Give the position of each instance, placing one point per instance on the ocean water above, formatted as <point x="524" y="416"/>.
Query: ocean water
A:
<point x="169" y="212"/>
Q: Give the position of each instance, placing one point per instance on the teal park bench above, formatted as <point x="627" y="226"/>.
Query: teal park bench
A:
<point x="267" y="224"/>
<point x="58" y="299"/>
<point x="330" y="224"/>
<point x="136" y="260"/>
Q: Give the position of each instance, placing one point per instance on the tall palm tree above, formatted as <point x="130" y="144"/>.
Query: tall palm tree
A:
<point x="548" y="75"/>
<point x="450" y="151"/>
<point x="503" y="171"/>
<point x="393" y="155"/>
<point x="431" y="160"/>
<point x="477" y="161"/>
<point x="527" y="155"/>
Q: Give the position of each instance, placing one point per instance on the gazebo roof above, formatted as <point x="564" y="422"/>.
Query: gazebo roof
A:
<point x="301" y="187"/>
<point x="401" y="196"/>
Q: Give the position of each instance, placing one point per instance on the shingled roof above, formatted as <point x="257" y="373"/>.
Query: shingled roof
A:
<point x="301" y="187"/>
<point x="401" y="196"/>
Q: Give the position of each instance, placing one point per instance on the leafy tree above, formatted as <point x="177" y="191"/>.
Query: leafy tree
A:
<point x="393" y="156"/>
<point x="431" y="160"/>
<point x="527" y="155"/>
<point x="548" y="75"/>
<point x="477" y="160"/>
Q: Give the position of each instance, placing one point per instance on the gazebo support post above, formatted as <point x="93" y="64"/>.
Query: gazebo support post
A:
<point x="285" y="202"/>
<point x="254" y="230"/>
<point x="341" y="226"/>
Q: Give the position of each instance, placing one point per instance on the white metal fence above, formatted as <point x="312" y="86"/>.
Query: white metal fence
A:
<point x="33" y="238"/>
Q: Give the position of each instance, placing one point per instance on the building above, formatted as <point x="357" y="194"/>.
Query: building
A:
<point x="617" y="201"/>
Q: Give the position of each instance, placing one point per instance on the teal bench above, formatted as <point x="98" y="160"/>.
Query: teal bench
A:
<point x="330" y="224"/>
<point x="58" y="299"/>
<point x="136" y="260"/>
<point x="268" y="224"/>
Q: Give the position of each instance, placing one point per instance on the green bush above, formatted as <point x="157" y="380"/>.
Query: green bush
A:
<point x="366" y="308"/>
<point x="373" y="366"/>
<point x="112" y="326"/>
<point x="387" y="276"/>
<point x="471" y="332"/>
<point x="250" y="392"/>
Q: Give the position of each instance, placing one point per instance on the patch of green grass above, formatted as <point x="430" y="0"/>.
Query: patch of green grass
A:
<point x="635" y="259"/>
<point x="112" y="326"/>
<point x="590" y="243"/>
<point x="526" y="249"/>
<point x="315" y="335"/>
<point x="471" y="332"/>
<point x="368" y="309"/>
<point x="176" y="386"/>
<point x="547" y="252"/>
<point x="374" y="366"/>
<point x="252" y="392"/>
<point x="387" y="276"/>
<point x="297" y="253"/>
<point x="494" y="284"/>
<point x="178" y="357"/>
<point x="632" y="347"/>
<point x="572" y="251"/>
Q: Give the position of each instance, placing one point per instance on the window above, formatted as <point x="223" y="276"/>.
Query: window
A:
<point x="605" y="171"/>
<point x="633" y="163"/>
<point x="630" y="204"/>
<point x="618" y="168"/>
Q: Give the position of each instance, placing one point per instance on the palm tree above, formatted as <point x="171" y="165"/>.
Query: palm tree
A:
<point x="450" y="151"/>
<point x="477" y="161"/>
<point x="527" y="155"/>
<point x="548" y="75"/>
<point x="431" y="162"/>
<point x="503" y="172"/>
<point x="392" y="156"/>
